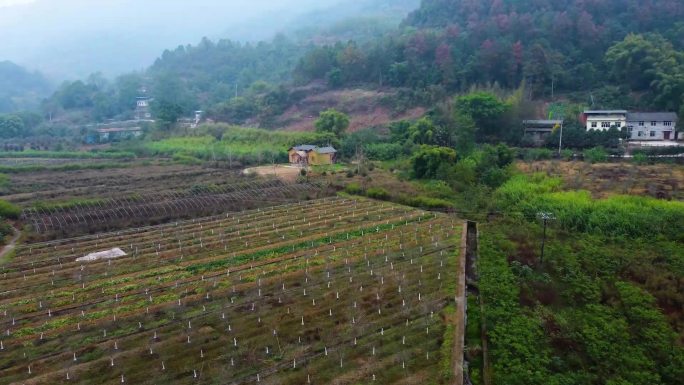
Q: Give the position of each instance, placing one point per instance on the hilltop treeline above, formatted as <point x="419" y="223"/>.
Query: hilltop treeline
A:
<point x="560" y="44"/>
<point x="610" y="53"/>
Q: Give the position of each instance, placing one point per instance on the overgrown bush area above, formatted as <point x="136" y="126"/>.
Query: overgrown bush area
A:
<point x="617" y="216"/>
<point x="243" y="145"/>
<point x="9" y="210"/>
<point x="602" y="307"/>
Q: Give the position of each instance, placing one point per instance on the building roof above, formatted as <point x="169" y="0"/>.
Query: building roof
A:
<point x="605" y="112"/>
<point x="109" y="130"/>
<point x="652" y="117"/>
<point x="309" y="148"/>
<point x="542" y="122"/>
<point x="304" y="147"/>
<point x="326" y="150"/>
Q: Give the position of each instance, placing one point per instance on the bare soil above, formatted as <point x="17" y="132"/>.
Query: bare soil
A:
<point x="284" y="172"/>
<point x="365" y="108"/>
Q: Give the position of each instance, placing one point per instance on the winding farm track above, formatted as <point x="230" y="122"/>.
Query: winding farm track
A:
<point x="10" y="246"/>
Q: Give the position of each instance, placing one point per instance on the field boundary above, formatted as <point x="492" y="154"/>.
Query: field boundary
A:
<point x="460" y="319"/>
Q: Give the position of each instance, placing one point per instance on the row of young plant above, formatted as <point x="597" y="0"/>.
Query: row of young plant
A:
<point x="247" y="223"/>
<point x="100" y="294"/>
<point x="131" y="360"/>
<point x="176" y="249"/>
<point x="178" y="244"/>
<point x="123" y="268"/>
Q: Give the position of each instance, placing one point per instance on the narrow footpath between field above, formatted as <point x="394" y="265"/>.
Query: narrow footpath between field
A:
<point x="11" y="245"/>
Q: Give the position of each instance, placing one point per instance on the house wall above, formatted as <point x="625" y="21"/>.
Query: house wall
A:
<point x="320" y="159"/>
<point x="294" y="157"/>
<point x="651" y="130"/>
<point x="538" y="136"/>
<point x="599" y="122"/>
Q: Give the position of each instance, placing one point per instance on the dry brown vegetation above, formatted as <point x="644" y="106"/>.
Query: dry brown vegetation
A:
<point x="662" y="181"/>
<point x="364" y="107"/>
<point x="87" y="184"/>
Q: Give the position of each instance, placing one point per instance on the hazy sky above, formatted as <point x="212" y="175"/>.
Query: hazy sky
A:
<point x="7" y="3"/>
<point x="71" y="38"/>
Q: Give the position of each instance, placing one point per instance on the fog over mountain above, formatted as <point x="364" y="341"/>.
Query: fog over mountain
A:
<point x="73" y="38"/>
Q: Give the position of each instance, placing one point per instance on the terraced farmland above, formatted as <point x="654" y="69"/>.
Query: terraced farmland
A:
<point x="326" y="291"/>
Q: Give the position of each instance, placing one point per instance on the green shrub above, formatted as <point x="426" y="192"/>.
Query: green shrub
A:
<point x="567" y="154"/>
<point x="427" y="203"/>
<point x="186" y="159"/>
<point x="384" y="151"/>
<point x="532" y="154"/>
<point x="353" y="188"/>
<point x="596" y="155"/>
<point x="9" y="210"/>
<point x="429" y="160"/>
<point x="640" y="158"/>
<point x="4" y="181"/>
<point x="5" y="230"/>
<point x="377" y="193"/>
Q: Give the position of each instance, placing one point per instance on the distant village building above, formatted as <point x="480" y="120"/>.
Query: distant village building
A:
<point x="198" y="118"/>
<point x="105" y="135"/>
<point x="603" y="120"/>
<point x="308" y="155"/>
<point x="194" y="122"/>
<point x="652" y="125"/>
<point x="142" y="109"/>
<point x="539" y="130"/>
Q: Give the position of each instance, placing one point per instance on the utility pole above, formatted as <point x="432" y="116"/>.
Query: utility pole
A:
<point x="545" y="217"/>
<point x="560" y="141"/>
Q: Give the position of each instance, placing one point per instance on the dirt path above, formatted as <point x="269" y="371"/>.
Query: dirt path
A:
<point x="287" y="173"/>
<point x="10" y="246"/>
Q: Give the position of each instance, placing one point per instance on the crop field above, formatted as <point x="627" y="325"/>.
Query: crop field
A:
<point x="136" y="209"/>
<point x="19" y="162"/>
<point x="68" y="203"/>
<point x="328" y="291"/>
<point x="51" y="186"/>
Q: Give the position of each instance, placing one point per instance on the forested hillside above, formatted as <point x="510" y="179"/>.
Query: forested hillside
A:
<point x="19" y="88"/>
<point x="550" y="44"/>
<point x="600" y="53"/>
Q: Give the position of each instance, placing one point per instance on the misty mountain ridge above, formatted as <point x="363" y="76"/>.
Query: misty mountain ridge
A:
<point x="125" y="35"/>
<point x="21" y="89"/>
